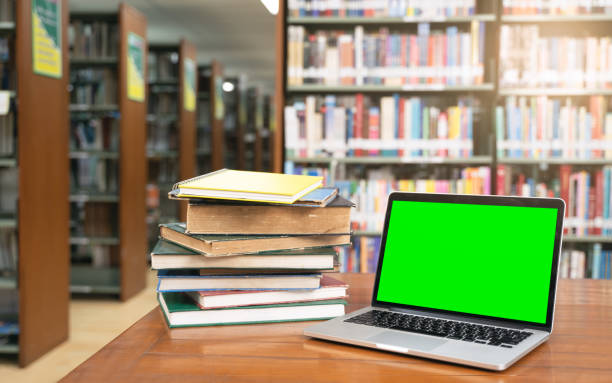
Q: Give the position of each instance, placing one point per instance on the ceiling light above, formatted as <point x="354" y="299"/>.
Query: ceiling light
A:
<point x="271" y="6"/>
<point x="228" y="86"/>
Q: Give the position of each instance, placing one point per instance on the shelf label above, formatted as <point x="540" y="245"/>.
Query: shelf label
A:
<point x="47" y="38"/>
<point x="189" y="85"/>
<point x="135" y="68"/>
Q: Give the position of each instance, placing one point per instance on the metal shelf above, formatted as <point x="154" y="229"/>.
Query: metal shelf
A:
<point x="93" y="197"/>
<point x="161" y="154"/>
<point x="482" y="160"/>
<point x="316" y="20"/>
<point x="8" y="162"/>
<point x="101" y="154"/>
<point x="555" y="92"/>
<point x="94" y="61"/>
<point x="8" y="282"/>
<point x="9" y="348"/>
<point x="93" y="108"/>
<point x="553" y="161"/>
<point x="94" y="280"/>
<point x="588" y="238"/>
<point x="8" y="222"/>
<point x="7" y="26"/>
<point x="555" y="18"/>
<point x="408" y="88"/>
<point x="104" y="241"/>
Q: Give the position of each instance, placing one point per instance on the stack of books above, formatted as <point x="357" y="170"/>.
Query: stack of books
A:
<point x="255" y="248"/>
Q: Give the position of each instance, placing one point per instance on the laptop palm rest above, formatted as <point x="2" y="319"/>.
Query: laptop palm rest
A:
<point x="405" y="342"/>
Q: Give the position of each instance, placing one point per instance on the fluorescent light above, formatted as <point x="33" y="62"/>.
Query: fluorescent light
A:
<point x="271" y="6"/>
<point x="228" y="86"/>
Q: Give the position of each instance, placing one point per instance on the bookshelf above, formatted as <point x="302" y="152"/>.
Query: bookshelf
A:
<point x="324" y="85"/>
<point x="108" y="158"/>
<point x="211" y="118"/>
<point x="163" y="130"/>
<point x="33" y="158"/>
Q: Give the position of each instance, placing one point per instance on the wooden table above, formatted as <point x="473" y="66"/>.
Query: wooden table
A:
<point x="580" y="350"/>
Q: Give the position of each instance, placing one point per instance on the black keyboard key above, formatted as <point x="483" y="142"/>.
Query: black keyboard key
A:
<point x="506" y="346"/>
<point x="480" y="341"/>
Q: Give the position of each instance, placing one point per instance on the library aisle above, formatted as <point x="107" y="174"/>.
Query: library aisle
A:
<point x="93" y="323"/>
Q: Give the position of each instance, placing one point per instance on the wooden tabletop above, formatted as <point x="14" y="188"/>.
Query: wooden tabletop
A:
<point x="580" y="350"/>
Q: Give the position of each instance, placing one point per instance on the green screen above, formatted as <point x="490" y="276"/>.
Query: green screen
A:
<point x="476" y="259"/>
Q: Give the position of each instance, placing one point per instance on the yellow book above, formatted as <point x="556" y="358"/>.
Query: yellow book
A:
<point x="247" y="186"/>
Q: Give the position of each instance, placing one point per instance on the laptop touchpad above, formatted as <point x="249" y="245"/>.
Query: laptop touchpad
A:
<point x="409" y="341"/>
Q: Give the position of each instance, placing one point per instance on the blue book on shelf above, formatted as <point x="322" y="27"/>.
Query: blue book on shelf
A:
<point x="396" y="122"/>
<point x="451" y="48"/>
<point x="499" y="128"/>
<point x="349" y="127"/>
<point x="596" y="261"/>
<point x="416" y="122"/>
<point x="518" y="130"/>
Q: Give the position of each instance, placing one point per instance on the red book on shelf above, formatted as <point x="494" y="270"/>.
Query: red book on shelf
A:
<point x="564" y="179"/>
<point x="400" y="131"/>
<point x="599" y="203"/>
<point x="374" y="129"/>
<point x="591" y="212"/>
<point x="519" y="184"/>
<point x="501" y="180"/>
<point x="414" y="58"/>
<point x="358" y="128"/>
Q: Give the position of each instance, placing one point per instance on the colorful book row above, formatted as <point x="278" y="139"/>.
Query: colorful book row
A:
<point x="450" y="56"/>
<point x="7" y="135"/>
<point x="529" y="59"/>
<point x="380" y="8"/>
<point x="587" y="196"/>
<point x="579" y="264"/>
<point x="392" y="126"/>
<point x="541" y="127"/>
<point x="361" y="257"/>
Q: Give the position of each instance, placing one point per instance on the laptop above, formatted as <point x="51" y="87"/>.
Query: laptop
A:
<point x="460" y="278"/>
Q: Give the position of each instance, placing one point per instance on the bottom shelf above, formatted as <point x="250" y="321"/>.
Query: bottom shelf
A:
<point x="94" y="280"/>
<point x="9" y="348"/>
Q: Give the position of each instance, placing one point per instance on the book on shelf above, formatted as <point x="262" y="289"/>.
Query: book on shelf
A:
<point x="362" y="257"/>
<point x="192" y="280"/>
<point x="9" y="190"/>
<point x="7" y="10"/>
<point x="93" y="219"/>
<point x="99" y="133"/>
<point x="586" y="194"/>
<point x="163" y="66"/>
<point x="8" y="75"/>
<point x="543" y="127"/>
<point x="260" y="219"/>
<point x="167" y="255"/>
<point x="555" y="7"/>
<point x="357" y="126"/>
<point x="384" y="8"/>
<point x="248" y="186"/>
<point x="531" y="59"/>
<point x="594" y="263"/>
<point x="182" y="311"/>
<point x="432" y="57"/>
<point x="215" y="245"/>
<point x="7" y="135"/>
<point x="330" y="289"/>
<point x="93" y="86"/>
<point x="8" y="251"/>
<point x="95" y="39"/>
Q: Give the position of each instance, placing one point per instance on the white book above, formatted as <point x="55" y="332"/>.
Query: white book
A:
<point x="183" y="281"/>
<point x="359" y="54"/>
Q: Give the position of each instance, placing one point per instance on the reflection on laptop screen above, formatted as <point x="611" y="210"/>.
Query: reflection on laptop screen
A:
<point x="477" y="259"/>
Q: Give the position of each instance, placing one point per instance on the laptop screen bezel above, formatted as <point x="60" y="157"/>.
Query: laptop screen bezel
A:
<point x="555" y="203"/>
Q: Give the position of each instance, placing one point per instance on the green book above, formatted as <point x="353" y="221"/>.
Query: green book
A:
<point x="180" y="310"/>
<point x="168" y="255"/>
<point x="221" y="245"/>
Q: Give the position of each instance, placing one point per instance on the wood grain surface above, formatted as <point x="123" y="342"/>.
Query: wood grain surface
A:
<point x="43" y="207"/>
<point x="133" y="163"/>
<point x="580" y="350"/>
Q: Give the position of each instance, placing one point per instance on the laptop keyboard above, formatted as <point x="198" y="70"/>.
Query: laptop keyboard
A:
<point x="468" y="332"/>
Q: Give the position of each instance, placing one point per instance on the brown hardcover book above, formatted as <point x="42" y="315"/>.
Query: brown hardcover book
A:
<point x="222" y="245"/>
<point x="266" y="219"/>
